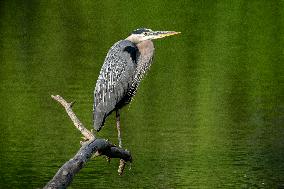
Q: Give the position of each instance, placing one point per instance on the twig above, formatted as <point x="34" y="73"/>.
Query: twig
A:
<point x="87" y="134"/>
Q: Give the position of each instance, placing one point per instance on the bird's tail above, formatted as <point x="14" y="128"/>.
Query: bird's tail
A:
<point x="98" y="120"/>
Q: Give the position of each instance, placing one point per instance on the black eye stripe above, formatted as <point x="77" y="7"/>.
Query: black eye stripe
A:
<point x="140" y="31"/>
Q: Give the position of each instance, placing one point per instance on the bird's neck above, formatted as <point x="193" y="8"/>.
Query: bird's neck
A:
<point x="146" y="50"/>
<point x="133" y="39"/>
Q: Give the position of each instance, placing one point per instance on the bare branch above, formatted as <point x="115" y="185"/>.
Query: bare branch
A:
<point x="91" y="147"/>
<point x="65" y="174"/>
<point x="68" y="107"/>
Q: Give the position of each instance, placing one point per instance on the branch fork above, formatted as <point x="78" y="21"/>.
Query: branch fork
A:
<point x="91" y="147"/>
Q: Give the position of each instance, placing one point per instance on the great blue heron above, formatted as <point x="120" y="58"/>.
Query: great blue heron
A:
<point x="125" y="65"/>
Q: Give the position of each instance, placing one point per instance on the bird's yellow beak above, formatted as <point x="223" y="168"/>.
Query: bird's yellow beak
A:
<point x="162" y="34"/>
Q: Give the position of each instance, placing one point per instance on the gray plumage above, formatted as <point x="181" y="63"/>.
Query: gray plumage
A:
<point x="124" y="67"/>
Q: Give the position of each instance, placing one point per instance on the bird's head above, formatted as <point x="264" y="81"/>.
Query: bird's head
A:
<point x="143" y="34"/>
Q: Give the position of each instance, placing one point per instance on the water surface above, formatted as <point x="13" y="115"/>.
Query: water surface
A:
<point x="210" y="113"/>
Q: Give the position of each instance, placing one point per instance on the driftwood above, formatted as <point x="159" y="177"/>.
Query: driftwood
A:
<point x="91" y="147"/>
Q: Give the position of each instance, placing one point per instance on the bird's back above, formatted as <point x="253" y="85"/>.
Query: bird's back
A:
<point x="115" y="79"/>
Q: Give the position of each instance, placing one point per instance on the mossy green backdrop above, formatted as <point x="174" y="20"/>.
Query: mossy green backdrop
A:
<point x="209" y="114"/>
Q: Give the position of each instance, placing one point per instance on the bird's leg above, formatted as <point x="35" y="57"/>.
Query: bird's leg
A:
<point x="118" y="128"/>
<point x="121" y="162"/>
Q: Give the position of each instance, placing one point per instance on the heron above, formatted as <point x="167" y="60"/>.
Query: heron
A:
<point x="125" y="65"/>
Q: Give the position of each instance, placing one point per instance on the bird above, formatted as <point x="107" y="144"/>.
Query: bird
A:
<point x="125" y="65"/>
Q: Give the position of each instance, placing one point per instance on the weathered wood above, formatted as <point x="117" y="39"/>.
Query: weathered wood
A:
<point x="78" y="124"/>
<point x="65" y="174"/>
<point x="91" y="147"/>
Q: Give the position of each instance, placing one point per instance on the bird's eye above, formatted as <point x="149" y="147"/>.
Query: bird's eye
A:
<point x="145" y="33"/>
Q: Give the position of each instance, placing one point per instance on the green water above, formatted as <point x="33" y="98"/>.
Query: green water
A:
<point x="210" y="114"/>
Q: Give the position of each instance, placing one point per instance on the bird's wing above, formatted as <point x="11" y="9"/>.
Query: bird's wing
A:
<point x="114" y="80"/>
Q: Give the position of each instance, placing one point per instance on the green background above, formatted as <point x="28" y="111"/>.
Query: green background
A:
<point x="209" y="114"/>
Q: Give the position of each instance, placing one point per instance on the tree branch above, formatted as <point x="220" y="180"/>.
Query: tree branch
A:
<point x="93" y="147"/>
<point x="68" y="107"/>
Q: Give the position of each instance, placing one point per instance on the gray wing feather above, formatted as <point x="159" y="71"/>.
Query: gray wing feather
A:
<point x="115" y="78"/>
